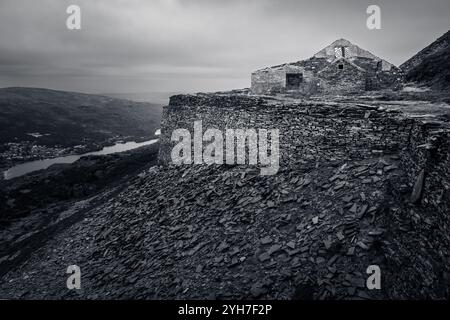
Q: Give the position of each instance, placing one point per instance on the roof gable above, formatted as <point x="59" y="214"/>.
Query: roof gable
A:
<point x="328" y="54"/>
<point x="353" y="50"/>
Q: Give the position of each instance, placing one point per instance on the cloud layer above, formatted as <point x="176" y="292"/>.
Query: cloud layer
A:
<point x="194" y="45"/>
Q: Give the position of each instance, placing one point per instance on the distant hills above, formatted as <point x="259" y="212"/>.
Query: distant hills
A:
<point x="158" y="97"/>
<point x="68" y="118"/>
<point x="431" y="66"/>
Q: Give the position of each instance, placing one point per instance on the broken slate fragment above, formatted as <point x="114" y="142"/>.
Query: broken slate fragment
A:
<point x="234" y="262"/>
<point x="354" y="208"/>
<point x="292" y="252"/>
<point x="376" y="179"/>
<point x="327" y="244"/>
<point x="223" y="246"/>
<point x="339" y="186"/>
<point x="376" y="232"/>
<point x="266" y="240"/>
<point x="347" y="198"/>
<point x="320" y="260"/>
<point x="362" y="245"/>
<point x="351" y="251"/>
<point x="270" y="204"/>
<point x="218" y="259"/>
<point x="332" y="260"/>
<point x="418" y="186"/>
<point x="391" y="167"/>
<point x="274" y="248"/>
<point x="264" y="257"/>
<point x="363" y="210"/>
<point x="257" y="290"/>
<point x="291" y="244"/>
<point x="199" y="268"/>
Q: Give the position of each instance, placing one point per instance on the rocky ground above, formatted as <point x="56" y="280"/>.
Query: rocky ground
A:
<point x="226" y="232"/>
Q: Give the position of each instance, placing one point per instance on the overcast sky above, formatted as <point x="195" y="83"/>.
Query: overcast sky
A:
<point x="194" y="45"/>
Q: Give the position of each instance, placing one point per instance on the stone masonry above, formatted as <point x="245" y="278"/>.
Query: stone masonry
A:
<point x="312" y="132"/>
<point x="339" y="68"/>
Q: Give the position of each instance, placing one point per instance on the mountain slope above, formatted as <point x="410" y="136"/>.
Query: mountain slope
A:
<point x="69" y="118"/>
<point x="431" y="66"/>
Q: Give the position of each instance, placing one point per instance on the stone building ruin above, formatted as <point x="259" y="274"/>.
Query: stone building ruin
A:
<point x="340" y="68"/>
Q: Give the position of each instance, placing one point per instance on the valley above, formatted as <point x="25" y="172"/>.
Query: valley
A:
<point x="63" y="123"/>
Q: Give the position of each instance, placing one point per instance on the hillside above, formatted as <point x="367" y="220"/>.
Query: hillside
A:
<point x="431" y="66"/>
<point x="51" y="118"/>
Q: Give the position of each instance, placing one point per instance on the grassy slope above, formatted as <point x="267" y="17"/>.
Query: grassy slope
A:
<point x="70" y="117"/>
<point x="434" y="71"/>
<point x="431" y="66"/>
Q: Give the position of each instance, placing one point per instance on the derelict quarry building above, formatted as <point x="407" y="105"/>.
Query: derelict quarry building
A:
<point x="340" y="68"/>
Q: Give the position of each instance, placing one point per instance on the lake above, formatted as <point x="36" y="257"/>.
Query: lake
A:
<point x="31" y="166"/>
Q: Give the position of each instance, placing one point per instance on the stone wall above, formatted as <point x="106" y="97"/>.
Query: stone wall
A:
<point x="349" y="79"/>
<point x="426" y="160"/>
<point x="314" y="132"/>
<point x="308" y="131"/>
<point x="273" y="80"/>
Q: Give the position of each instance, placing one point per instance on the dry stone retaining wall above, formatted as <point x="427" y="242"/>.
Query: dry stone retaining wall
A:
<point x="314" y="132"/>
<point x="308" y="131"/>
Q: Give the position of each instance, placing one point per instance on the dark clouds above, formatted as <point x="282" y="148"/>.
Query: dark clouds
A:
<point x="194" y="45"/>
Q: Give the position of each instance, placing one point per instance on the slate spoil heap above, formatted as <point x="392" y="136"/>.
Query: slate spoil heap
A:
<point x="308" y="233"/>
<point x="226" y="232"/>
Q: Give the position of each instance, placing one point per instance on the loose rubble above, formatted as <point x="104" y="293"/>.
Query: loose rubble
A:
<point x="209" y="232"/>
